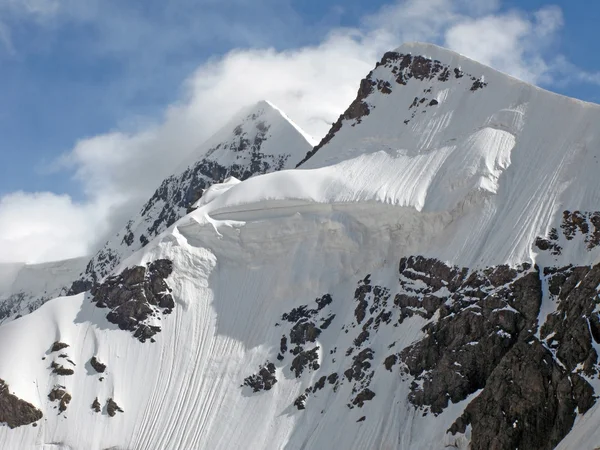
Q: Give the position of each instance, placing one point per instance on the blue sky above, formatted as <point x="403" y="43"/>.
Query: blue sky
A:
<point x="97" y="90"/>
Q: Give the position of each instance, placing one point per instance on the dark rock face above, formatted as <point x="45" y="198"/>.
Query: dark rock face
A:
<point x="575" y="226"/>
<point x="305" y="360"/>
<point x="135" y="295"/>
<point x="264" y="380"/>
<point x="58" y="394"/>
<point x="481" y="336"/>
<point x="58" y="369"/>
<point x="362" y="397"/>
<point x="97" y="365"/>
<point x="403" y="68"/>
<point x="96" y="405"/>
<point x="529" y="402"/>
<point x="571" y="332"/>
<point x="16" y="412"/>
<point x="484" y="317"/>
<point x="112" y="408"/>
<point x="57" y="346"/>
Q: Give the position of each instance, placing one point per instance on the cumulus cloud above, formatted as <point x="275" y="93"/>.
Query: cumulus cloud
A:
<point x="44" y="226"/>
<point x="313" y="84"/>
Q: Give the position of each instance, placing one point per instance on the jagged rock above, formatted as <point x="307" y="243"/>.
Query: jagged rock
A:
<point x="58" y="369"/>
<point x="97" y="365"/>
<point x="529" y="402"/>
<point x="264" y="380"/>
<point x="390" y="361"/>
<point x="112" y="408"/>
<point x="320" y="384"/>
<point x="304" y="331"/>
<point x="574" y="328"/>
<point x="57" y="346"/>
<point x="96" y="405"/>
<point x="326" y="322"/>
<point x="135" y="295"/>
<point x="59" y="394"/>
<point x="333" y="378"/>
<point x="305" y="360"/>
<point x="360" y="365"/>
<point x="362" y="397"/>
<point x="300" y="402"/>
<point x="16" y="412"/>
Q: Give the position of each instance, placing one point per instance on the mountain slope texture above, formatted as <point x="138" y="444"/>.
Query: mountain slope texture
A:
<point x="426" y="277"/>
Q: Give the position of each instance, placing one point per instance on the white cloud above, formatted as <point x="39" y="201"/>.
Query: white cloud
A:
<point x="313" y="84"/>
<point x="44" y="226"/>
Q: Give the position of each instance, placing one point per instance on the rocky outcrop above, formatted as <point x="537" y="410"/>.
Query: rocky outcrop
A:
<point x="403" y="67"/>
<point x="264" y="380"/>
<point x="481" y="336"/>
<point x="96" y="405"/>
<point x="58" y="394"/>
<point x="135" y="296"/>
<point x="58" y="346"/>
<point x="529" y="402"/>
<point x="112" y="408"/>
<point x="97" y="365"/>
<point x="59" y="369"/>
<point x="15" y="412"/>
<point x="575" y="226"/>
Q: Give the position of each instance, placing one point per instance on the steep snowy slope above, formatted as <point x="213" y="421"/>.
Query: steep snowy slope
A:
<point x="25" y="287"/>
<point x="422" y="285"/>
<point x="259" y="139"/>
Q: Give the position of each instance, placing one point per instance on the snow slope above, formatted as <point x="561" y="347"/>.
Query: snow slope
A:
<point x="394" y="236"/>
<point x="259" y="139"/>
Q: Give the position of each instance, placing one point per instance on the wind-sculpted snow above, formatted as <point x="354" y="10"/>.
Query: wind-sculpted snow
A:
<point x="422" y="285"/>
<point x="258" y="140"/>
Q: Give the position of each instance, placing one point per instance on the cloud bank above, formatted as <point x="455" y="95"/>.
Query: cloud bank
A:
<point x="313" y="84"/>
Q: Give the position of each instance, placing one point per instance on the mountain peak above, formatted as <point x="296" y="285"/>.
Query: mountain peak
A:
<point x="259" y="139"/>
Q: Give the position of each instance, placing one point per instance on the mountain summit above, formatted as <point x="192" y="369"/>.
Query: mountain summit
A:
<point x="426" y="278"/>
<point x="259" y="139"/>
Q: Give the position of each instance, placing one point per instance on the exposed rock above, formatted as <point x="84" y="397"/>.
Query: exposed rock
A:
<point x="574" y="328"/>
<point x="16" y="412"/>
<point x="300" y="402"/>
<point x="62" y="396"/>
<point x="305" y="360"/>
<point x="333" y="378"/>
<point x="362" y="419"/>
<point x="135" y="295"/>
<point x="112" y="408"/>
<point x="577" y="224"/>
<point x="97" y="365"/>
<point x="529" y="402"/>
<point x="58" y="369"/>
<point x="96" y="405"/>
<point x="57" y="346"/>
<point x="360" y="365"/>
<point x="320" y="384"/>
<point x="264" y="380"/>
<point x="303" y="332"/>
<point x="390" y="361"/>
<point x="362" y="397"/>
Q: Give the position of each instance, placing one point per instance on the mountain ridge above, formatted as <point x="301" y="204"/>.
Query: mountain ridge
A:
<point x="411" y="285"/>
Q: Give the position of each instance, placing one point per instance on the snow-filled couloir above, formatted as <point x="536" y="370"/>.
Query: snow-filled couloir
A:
<point x="425" y="279"/>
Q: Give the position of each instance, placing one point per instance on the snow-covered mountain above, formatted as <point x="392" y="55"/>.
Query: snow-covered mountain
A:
<point x="259" y="139"/>
<point x="427" y="278"/>
<point x="25" y="287"/>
